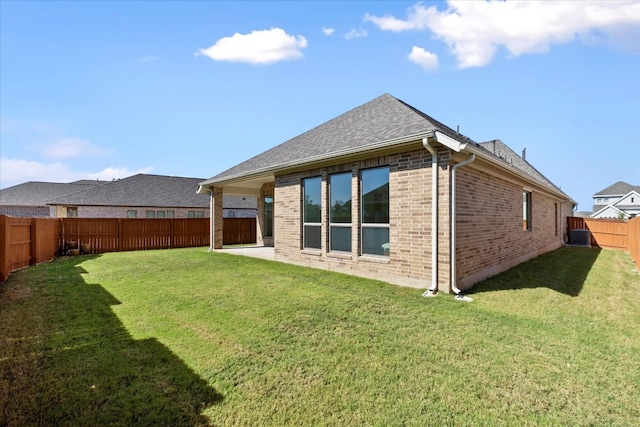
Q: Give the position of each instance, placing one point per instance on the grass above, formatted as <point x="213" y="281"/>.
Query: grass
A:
<point x="187" y="337"/>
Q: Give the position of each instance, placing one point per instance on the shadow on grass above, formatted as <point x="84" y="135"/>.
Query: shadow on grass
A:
<point x="563" y="270"/>
<point x="76" y="363"/>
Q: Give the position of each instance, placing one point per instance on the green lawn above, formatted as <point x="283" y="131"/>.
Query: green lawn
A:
<point x="187" y="337"/>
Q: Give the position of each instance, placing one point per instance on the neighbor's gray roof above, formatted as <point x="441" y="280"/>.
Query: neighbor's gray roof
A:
<point x="383" y="119"/>
<point x="141" y="190"/>
<point x="34" y="193"/>
<point x="620" y="188"/>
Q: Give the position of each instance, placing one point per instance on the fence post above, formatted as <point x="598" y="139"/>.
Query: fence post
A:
<point x="119" y="235"/>
<point x="4" y="248"/>
<point x="63" y="236"/>
<point x="171" y="231"/>
<point x="33" y="229"/>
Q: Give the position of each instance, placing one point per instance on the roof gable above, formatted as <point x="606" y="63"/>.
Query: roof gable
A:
<point x="384" y="119"/>
<point x="631" y="199"/>
<point x="609" y="211"/>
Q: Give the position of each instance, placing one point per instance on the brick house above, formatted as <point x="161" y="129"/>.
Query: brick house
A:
<point x="137" y="196"/>
<point x="387" y="192"/>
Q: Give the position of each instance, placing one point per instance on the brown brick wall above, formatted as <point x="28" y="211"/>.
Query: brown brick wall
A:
<point x="409" y="260"/>
<point x="217" y="225"/>
<point x="490" y="235"/>
<point x="490" y="238"/>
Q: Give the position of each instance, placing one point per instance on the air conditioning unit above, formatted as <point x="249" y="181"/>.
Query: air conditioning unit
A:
<point x="580" y="237"/>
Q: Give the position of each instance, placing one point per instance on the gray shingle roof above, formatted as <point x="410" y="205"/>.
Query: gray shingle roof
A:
<point x="140" y="190"/>
<point x="504" y="152"/>
<point x="384" y="119"/>
<point x="36" y="193"/>
<point x="620" y="188"/>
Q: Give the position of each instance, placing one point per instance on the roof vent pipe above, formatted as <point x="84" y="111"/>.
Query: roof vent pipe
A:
<point x="454" y="287"/>
<point x="433" y="290"/>
<point x="524" y="153"/>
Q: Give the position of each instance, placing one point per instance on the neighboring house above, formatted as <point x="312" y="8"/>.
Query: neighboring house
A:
<point x="138" y="196"/>
<point x="618" y="201"/>
<point x="30" y="198"/>
<point x="387" y="192"/>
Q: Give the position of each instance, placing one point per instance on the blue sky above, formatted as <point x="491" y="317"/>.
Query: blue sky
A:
<point x="107" y="89"/>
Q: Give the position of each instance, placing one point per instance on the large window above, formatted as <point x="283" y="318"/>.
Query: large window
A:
<point x="340" y="212"/>
<point x="375" y="211"/>
<point x="526" y="210"/>
<point x="312" y="218"/>
<point x="268" y="217"/>
<point x="72" y="212"/>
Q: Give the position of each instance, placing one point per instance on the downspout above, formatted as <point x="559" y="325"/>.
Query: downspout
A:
<point x="454" y="288"/>
<point x="433" y="290"/>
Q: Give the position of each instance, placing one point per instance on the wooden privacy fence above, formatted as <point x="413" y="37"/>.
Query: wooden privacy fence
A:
<point x="29" y="241"/>
<point x="610" y="233"/>
<point x="239" y="231"/>
<point x="118" y="234"/>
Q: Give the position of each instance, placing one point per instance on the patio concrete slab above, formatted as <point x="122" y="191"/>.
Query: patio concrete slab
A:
<point x="263" y="252"/>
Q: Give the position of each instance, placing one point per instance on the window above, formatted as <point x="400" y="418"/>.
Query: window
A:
<point x="375" y="211"/>
<point x="160" y="214"/>
<point x="312" y="227"/>
<point x="199" y="214"/>
<point x="526" y="210"/>
<point x="151" y="214"/>
<point x="171" y="214"/>
<point x="191" y="214"/>
<point x="132" y="214"/>
<point x="231" y="214"/>
<point x="72" y="212"/>
<point x="268" y="217"/>
<point x="340" y="212"/>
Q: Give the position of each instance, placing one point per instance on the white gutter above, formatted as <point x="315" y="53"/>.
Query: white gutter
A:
<point x="454" y="287"/>
<point x="433" y="290"/>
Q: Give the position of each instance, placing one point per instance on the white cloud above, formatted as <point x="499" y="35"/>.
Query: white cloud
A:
<point x="258" y="47"/>
<point x="474" y="30"/>
<point x="147" y="58"/>
<point x="427" y="60"/>
<point x="17" y="171"/>
<point x="356" y="34"/>
<point x="327" y="31"/>
<point x="71" y="147"/>
<point x="417" y="19"/>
